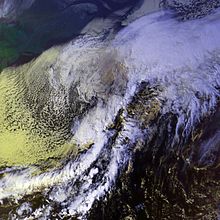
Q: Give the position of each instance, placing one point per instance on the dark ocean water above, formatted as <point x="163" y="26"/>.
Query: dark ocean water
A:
<point x="48" y="23"/>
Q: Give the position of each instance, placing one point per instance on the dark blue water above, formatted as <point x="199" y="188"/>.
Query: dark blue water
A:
<point x="51" y="22"/>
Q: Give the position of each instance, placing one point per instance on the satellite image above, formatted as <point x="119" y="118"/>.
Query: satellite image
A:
<point x="110" y="109"/>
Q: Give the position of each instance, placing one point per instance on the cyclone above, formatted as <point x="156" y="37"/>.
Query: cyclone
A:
<point x="74" y="119"/>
